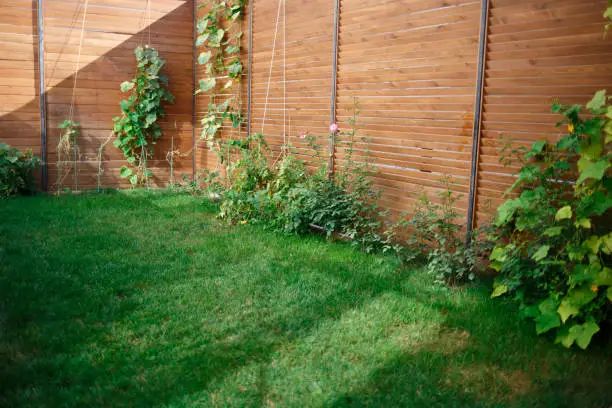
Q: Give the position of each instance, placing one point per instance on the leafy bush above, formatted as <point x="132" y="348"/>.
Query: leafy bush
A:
<point x="287" y="196"/>
<point x="16" y="169"/>
<point x="436" y="236"/>
<point x="555" y="252"/>
<point x="205" y="181"/>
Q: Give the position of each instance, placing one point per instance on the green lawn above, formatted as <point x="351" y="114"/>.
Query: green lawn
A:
<point x="149" y="301"/>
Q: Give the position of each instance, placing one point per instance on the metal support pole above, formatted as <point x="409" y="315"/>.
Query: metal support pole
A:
<point x="482" y="48"/>
<point x="332" y="146"/>
<point x="42" y="92"/>
<point x="194" y="84"/>
<point x="250" y="68"/>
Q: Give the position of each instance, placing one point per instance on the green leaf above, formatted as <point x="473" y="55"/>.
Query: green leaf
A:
<point x="541" y="253"/>
<point x="583" y="223"/>
<point x="127" y="86"/>
<point x="227" y="85"/>
<point x="593" y="244"/>
<point x="117" y="143"/>
<point x="206" y="84"/>
<point x="606" y="242"/>
<point x="566" y="310"/>
<point x="131" y="160"/>
<point x="604" y="278"/>
<point x="598" y="101"/>
<point x="499" y="289"/>
<point x="548" y="318"/>
<point x="609" y="294"/>
<point x="202" y="24"/>
<point x="201" y="40"/>
<point x="506" y="211"/>
<point x="125" y="172"/>
<point x="564" y="213"/>
<point x="133" y="179"/>
<point x="232" y="49"/>
<point x="150" y="119"/>
<point x="581" y="334"/>
<point x="594" y="170"/>
<point x="553" y="231"/>
<point x="204" y="57"/>
<point x="591" y="152"/>
<point x="125" y="105"/>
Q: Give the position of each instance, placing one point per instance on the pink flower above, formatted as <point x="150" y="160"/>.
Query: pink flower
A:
<point x="333" y="127"/>
<point x="304" y="133"/>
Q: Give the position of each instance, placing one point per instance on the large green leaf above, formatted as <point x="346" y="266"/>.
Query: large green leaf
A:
<point x="570" y="306"/>
<point x="583" y="223"/>
<point x="499" y="289"/>
<point x="204" y="57"/>
<point x="594" y="171"/>
<point x="566" y="310"/>
<point x="201" y="40"/>
<point x="541" y="253"/>
<point x="201" y="25"/>
<point x="127" y="86"/>
<point x="598" y="101"/>
<point x="604" y="278"/>
<point x="581" y="334"/>
<point x="564" y="213"/>
<point x="606" y="244"/>
<point x="206" y="85"/>
<point x="548" y="318"/>
<point x="506" y="211"/>
<point x="553" y="231"/>
<point x="125" y="172"/>
<point x="609" y="294"/>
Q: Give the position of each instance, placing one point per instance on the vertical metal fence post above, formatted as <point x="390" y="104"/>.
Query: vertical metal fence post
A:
<point x="194" y="85"/>
<point x="334" y="86"/>
<point x="250" y="68"/>
<point x="482" y="49"/>
<point x="42" y="92"/>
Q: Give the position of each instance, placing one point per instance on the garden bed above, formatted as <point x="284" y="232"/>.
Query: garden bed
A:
<point x="149" y="300"/>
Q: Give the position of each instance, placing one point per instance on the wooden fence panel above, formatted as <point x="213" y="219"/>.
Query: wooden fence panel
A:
<point x="19" y="79"/>
<point x="412" y="64"/>
<point x="112" y="30"/>
<point x="538" y="51"/>
<point x="292" y="77"/>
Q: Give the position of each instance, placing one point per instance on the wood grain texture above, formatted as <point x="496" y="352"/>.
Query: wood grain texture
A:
<point x="19" y="75"/>
<point x="112" y="30"/>
<point x="538" y="51"/>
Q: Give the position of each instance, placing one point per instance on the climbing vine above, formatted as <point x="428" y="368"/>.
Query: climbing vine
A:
<point x="66" y="147"/>
<point x="219" y="32"/>
<point x="137" y="130"/>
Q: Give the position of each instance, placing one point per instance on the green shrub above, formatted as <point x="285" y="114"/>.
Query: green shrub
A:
<point x="204" y="182"/>
<point x="554" y="255"/>
<point x="433" y="233"/>
<point x="16" y="170"/>
<point x="292" y="199"/>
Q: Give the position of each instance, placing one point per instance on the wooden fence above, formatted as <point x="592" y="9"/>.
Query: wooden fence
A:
<point x="88" y="51"/>
<point x="412" y="64"/>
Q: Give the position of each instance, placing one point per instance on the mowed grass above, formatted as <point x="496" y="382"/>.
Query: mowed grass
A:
<point x="148" y="301"/>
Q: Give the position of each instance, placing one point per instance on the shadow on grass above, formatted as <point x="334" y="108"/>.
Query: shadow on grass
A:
<point x="145" y="300"/>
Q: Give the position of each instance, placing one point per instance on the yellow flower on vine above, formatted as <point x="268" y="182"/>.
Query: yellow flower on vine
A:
<point x="594" y="288"/>
<point x="243" y="222"/>
<point x="570" y="128"/>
